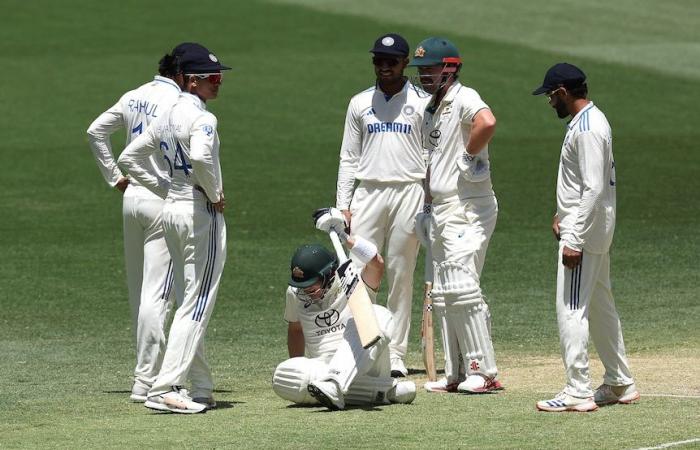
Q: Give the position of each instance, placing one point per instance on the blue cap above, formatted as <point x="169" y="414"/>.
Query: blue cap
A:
<point x="562" y="74"/>
<point x="195" y="58"/>
<point x="390" y="44"/>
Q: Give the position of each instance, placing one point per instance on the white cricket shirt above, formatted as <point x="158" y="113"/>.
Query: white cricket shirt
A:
<point x="323" y="323"/>
<point x="187" y="140"/>
<point x="134" y="111"/>
<point x="381" y="139"/>
<point x="446" y="131"/>
<point x="586" y="183"/>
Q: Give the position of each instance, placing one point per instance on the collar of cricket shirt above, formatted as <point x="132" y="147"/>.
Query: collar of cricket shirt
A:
<point x="196" y="100"/>
<point x="167" y="80"/>
<point x="577" y="117"/>
<point x="406" y="84"/>
<point x="447" y="99"/>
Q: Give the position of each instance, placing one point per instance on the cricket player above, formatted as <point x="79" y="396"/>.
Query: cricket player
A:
<point x="193" y="222"/>
<point x="382" y="149"/>
<point x="148" y="264"/>
<point x="584" y="226"/>
<point x="457" y="129"/>
<point x="328" y="364"/>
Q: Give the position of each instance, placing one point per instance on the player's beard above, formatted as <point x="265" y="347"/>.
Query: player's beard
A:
<point x="560" y="107"/>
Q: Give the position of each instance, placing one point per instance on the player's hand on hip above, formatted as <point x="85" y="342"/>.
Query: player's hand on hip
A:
<point x="555" y="227"/>
<point x="122" y="184"/>
<point x="221" y="204"/>
<point x="570" y="258"/>
<point x="327" y="219"/>
<point x="473" y="168"/>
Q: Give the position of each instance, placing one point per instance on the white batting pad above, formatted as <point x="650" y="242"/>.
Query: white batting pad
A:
<point x="292" y="377"/>
<point x="469" y="323"/>
<point x="367" y="389"/>
<point x="452" y="277"/>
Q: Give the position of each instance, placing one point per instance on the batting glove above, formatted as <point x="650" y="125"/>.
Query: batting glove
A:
<point x="327" y="219"/>
<point x="473" y="168"/>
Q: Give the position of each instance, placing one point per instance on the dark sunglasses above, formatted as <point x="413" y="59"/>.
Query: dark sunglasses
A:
<point x="383" y="61"/>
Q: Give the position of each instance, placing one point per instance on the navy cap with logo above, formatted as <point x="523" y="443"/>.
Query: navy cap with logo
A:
<point x="195" y="58"/>
<point x="562" y="74"/>
<point x="391" y="44"/>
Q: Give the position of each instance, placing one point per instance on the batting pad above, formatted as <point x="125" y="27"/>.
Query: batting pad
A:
<point x="469" y="323"/>
<point x="454" y="278"/>
<point x="292" y="377"/>
<point x="369" y="390"/>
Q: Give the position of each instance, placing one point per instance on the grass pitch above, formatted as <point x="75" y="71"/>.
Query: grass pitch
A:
<point x="65" y="336"/>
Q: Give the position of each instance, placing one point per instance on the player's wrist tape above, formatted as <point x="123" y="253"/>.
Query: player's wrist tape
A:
<point x="364" y="250"/>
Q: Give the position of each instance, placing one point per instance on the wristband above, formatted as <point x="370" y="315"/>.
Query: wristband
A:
<point x="364" y="250"/>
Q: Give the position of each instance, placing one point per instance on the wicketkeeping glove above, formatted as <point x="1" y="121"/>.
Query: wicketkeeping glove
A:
<point x="327" y="219"/>
<point x="473" y="168"/>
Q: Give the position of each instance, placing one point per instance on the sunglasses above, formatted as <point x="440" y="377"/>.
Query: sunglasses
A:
<point x="382" y="61"/>
<point x="214" y="78"/>
<point x="550" y="94"/>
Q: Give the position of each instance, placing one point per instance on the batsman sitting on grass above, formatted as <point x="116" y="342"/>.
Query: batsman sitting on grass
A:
<point x="584" y="226"/>
<point x="328" y="364"/>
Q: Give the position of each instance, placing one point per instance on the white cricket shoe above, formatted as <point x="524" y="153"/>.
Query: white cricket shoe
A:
<point x="610" y="395"/>
<point x="479" y="384"/>
<point x="139" y="393"/>
<point x="566" y="402"/>
<point x="209" y="402"/>
<point x="328" y="394"/>
<point x="398" y="368"/>
<point x="402" y="392"/>
<point x="441" y="386"/>
<point x="177" y="401"/>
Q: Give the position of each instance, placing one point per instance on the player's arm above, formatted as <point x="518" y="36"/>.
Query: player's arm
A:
<point x="98" y="134"/>
<point x="132" y="160"/>
<point x="591" y="161"/>
<point x="350" y="151"/>
<point x="202" y="137"/>
<point x="295" y="339"/>
<point x="483" y="128"/>
<point x="366" y="252"/>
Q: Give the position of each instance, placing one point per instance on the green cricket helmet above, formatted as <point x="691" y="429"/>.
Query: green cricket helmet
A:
<point x="435" y="51"/>
<point x="310" y="264"/>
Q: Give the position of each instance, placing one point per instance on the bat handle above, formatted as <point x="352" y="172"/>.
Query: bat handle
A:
<point x="338" y="246"/>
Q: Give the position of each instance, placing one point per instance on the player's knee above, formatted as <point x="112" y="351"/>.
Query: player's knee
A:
<point x="291" y="379"/>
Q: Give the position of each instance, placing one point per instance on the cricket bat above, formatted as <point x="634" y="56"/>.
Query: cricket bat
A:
<point x="358" y="300"/>
<point x="427" y="342"/>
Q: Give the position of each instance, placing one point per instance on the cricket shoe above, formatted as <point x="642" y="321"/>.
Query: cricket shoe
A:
<point x="566" y="402"/>
<point x="328" y="394"/>
<point x="441" y="386"/>
<point x="177" y="401"/>
<point x="402" y="392"/>
<point x="398" y="368"/>
<point x="610" y="395"/>
<point x="139" y="392"/>
<point x="209" y="402"/>
<point x="479" y="384"/>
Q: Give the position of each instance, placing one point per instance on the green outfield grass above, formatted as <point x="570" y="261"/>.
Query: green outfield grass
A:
<point x="65" y="334"/>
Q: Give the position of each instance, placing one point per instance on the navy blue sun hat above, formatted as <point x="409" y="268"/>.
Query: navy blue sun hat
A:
<point x="195" y="58"/>
<point x="391" y="44"/>
<point x="562" y="74"/>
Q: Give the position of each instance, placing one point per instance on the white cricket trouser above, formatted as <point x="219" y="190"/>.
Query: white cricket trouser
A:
<point x="149" y="278"/>
<point x="364" y="375"/>
<point x="196" y="237"/>
<point x="585" y="303"/>
<point x="384" y="213"/>
<point x="460" y="232"/>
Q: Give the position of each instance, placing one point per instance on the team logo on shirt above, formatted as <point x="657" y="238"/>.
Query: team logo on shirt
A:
<point x="208" y="129"/>
<point x="434" y="137"/>
<point x="408" y="110"/>
<point x="327" y="318"/>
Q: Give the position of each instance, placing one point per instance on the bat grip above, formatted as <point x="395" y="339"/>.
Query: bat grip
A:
<point x="338" y="246"/>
